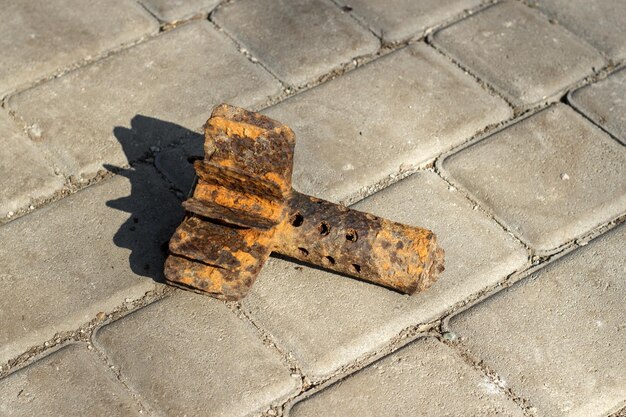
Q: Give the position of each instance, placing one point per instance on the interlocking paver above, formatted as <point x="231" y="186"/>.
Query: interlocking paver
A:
<point x="176" y="163"/>
<point x="178" y="77"/>
<point x="399" y="20"/>
<point x="395" y="113"/>
<point x="40" y="37"/>
<point x="24" y="172"/>
<point x="190" y="355"/>
<point x="601" y="23"/>
<point x="425" y="378"/>
<point x="550" y="178"/>
<point x="69" y="382"/>
<point x="87" y="253"/>
<point x="605" y="103"/>
<point x="298" y="40"/>
<point x="174" y="10"/>
<point x="519" y="52"/>
<point x="557" y="338"/>
<point x="326" y="320"/>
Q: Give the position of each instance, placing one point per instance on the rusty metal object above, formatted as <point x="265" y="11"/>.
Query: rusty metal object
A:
<point x="243" y="208"/>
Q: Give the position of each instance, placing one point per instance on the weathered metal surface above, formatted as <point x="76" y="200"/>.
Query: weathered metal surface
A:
<point x="243" y="208"/>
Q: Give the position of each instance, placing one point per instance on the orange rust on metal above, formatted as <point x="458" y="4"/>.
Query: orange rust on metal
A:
<point x="243" y="208"/>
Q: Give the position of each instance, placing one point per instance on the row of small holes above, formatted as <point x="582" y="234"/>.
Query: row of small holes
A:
<point x="324" y="230"/>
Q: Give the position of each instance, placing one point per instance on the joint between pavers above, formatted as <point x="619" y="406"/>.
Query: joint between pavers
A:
<point x="83" y="63"/>
<point x="83" y="333"/>
<point x="531" y="4"/>
<point x="117" y="373"/>
<point x="358" y="20"/>
<point x="536" y="256"/>
<point x="488" y="87"/>
<point x="243" y="50"/>
<point x="271" y="343"/>
<point x="476" y="363"/>
<point x="526" y="271"/>
<point x="517" y="105"/>
<point x="200" y="14"/>
<point x="608" y="71"/>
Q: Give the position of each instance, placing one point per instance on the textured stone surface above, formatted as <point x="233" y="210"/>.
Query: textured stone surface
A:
<point x="605" y="103"/>
<point x="24" y="173"/>
<point x="175" y="163"/>
<point x="190" y="355"/>
<point x="398" y="20"/>
<point x="174" y="10"/>
<point x="601" y="23"/>
<point x="551" y="177"/>
<point x="558" y="337"/>
<point x="69" y="382"/>
<point x="326" y="320"/>
<point x="40" y="37"/>
<point x="298" y="40"/>
<point x="397" y="112"/>
<point x="177" y="77"/>
<point x="424" y="378"/>
<point x="82" y="255"/>
<point x="519" y="52"/>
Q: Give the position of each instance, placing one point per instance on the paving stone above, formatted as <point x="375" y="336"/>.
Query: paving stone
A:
<point x="399" y="20"/>
<point x="174" y="10"/>
<point x="190" y="355"/>
<point x="85" y="254"/>
<point x="69" y="382"/>
<point x="601" y="23"/>
<point x="25" y="173"/>
<point x="557" y="338"/>
<point x="298" y="40"/>
<point x="604" y="102"/>
<point x="327" y="321"/>
<point x="395" y="113"/>
<point x="39" y="37"/>
<point x="508" y="45"/>
<point x="175" y="163"/>
<point x="173" y="80"/>
<point x="551" y="177"/>
<point x="424" y="378"/>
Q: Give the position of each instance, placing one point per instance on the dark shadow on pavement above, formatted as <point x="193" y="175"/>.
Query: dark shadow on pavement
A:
<point x="154" y="209"/>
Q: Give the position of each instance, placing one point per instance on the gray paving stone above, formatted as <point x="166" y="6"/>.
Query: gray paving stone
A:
<point x="604" y="102"/>
<point x="69" y="382"/>
<point x="557" y="338"/>
<point x="175" y="163"/>
<point x="87" y="253"/>
<point x="40" y="37"/>
<point x="298" y="40"/>
<point x="24" y="172"/>
<point x="601" y="23"/>
<point x="190" y="355"/>
<point x="425" y="378"/>
<point x="399" y="20"/>
<point x="516" y="50"/>
<point x="551" y="177"/>
<point x="327" y="321"/>
<point x="174" y="10"/>
<point x="392" y="114"/>
<point x="173" y="80"/>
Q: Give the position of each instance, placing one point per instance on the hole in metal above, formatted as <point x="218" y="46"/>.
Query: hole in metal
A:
<point x="324" y="228"/>
<point x="352" y="235"/>
<point x="356" y="268"/>
<point x="297" y="220"/>
<point x="328" y="260"/>
<point x="303" y="251"/>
